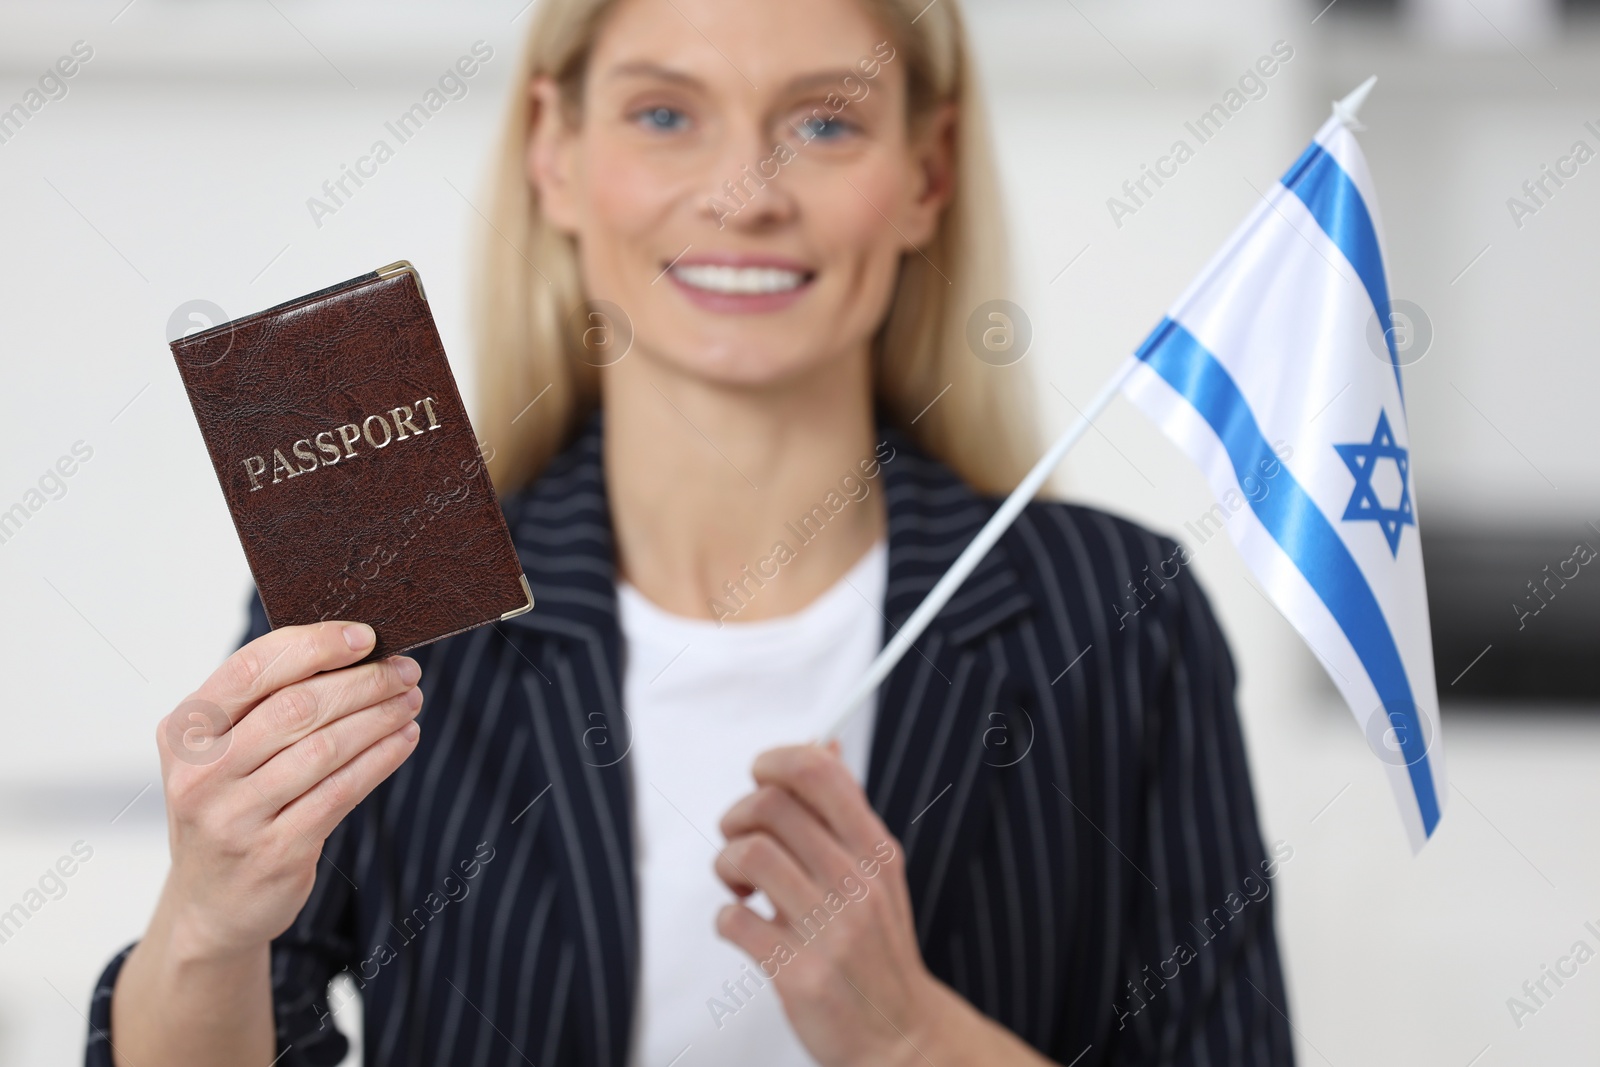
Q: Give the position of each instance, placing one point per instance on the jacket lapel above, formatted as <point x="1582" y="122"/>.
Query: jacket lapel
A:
<point x="561" y="526"/>
<point x="932" y="771"/>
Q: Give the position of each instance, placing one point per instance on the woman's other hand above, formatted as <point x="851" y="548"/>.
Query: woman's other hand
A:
<point x="259" y="765"/>
<point x="842" y="947"/>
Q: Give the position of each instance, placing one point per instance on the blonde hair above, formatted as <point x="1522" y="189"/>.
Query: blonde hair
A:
<point x="981" y="425"/>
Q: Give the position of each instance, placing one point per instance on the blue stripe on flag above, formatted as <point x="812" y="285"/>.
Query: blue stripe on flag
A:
<point x="1335" y="202"/>
<point x="1298" y="525"/>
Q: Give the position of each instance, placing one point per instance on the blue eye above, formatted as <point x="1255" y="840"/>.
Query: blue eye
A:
<point x="665" y="119"/>
<point x="814" y="129"/>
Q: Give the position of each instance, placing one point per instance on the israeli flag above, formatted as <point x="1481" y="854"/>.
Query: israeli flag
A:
<point x="1273" y="374"/>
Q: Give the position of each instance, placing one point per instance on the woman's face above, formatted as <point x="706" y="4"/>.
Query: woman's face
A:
<point x="742" y="181"/>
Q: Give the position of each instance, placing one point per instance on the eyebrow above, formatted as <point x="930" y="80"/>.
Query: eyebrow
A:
<point x="820" y="79"/>
<point x="643" y="68"/>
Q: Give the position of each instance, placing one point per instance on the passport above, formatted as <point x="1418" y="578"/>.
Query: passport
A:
<point x="357" y="486"/>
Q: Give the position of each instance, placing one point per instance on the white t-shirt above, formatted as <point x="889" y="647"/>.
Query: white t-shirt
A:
<point x="703" y="701"/>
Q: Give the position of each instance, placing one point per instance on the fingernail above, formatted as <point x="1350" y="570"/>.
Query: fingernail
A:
<point x="414" y="698"/>
<point x="408" y="669"/>
<point x="410" y="731"/>
<point x="359" y="635"/>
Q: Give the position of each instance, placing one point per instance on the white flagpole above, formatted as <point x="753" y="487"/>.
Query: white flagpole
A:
<point x="964" y="565"/>
<point x="1002" y="519"/>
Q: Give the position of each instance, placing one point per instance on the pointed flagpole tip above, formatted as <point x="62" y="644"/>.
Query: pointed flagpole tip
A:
<point x="1350" y="106"/>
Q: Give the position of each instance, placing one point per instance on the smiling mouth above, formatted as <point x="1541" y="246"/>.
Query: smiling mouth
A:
<point x="740" y="281"/>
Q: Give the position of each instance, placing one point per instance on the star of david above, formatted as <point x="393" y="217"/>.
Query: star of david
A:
<point x="1362" y="459"/>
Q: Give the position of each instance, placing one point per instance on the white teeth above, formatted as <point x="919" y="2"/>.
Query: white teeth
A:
<point x="743" y="280"/>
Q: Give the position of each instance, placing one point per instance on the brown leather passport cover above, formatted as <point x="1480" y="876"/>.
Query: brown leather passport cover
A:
<point x="354" y="478"/>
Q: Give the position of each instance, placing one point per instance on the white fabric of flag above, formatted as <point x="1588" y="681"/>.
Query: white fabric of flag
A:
<point x="1272" y="373"/>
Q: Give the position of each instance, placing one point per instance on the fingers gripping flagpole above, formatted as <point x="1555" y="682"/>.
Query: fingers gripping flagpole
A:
<point x="905" y="638"/>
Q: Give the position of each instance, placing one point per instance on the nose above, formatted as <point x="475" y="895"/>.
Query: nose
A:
<point x="747" y="187"/>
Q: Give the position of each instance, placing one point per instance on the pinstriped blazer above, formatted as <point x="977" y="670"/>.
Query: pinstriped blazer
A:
<point x="1061" y="760"/>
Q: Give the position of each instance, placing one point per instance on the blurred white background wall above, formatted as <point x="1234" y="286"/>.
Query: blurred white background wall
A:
<point x="178" y="164"/>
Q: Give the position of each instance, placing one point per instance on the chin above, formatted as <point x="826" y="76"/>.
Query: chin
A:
<point x="754" y="363"/>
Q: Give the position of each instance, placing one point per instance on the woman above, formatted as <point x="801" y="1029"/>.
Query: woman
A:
<point x="746" y="457"/>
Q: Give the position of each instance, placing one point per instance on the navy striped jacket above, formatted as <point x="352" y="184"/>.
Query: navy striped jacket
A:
<point x="1088" y="870"/>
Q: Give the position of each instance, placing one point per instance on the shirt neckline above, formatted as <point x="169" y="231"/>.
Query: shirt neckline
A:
<point x="866" y="577"/>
